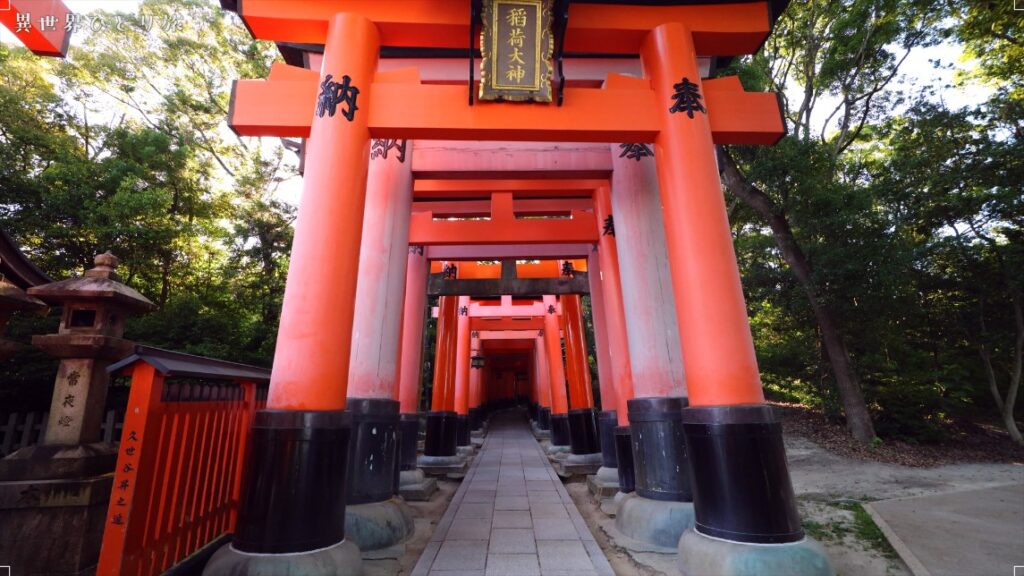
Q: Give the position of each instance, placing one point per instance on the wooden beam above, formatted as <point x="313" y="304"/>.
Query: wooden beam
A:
<point x="439" y="112"/>
<point x="499" y="251"/>
<point x="519" y="287"/>
<point x="719" y="28"/>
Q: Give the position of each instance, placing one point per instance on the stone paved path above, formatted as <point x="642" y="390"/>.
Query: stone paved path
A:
<point x="512" y="516"/>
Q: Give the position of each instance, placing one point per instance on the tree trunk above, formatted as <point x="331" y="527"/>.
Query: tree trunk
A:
<point x="858" y="420"/>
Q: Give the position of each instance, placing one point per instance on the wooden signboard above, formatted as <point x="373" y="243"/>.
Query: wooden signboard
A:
<point x="517" y="46"/>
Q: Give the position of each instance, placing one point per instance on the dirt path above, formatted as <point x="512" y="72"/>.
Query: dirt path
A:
<point x="829" y="489"/>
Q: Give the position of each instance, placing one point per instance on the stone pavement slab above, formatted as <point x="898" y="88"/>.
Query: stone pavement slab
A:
<point x="976" y="532"/>
<point x="512" y="515"/>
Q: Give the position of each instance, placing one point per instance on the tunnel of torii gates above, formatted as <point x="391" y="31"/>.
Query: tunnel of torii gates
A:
<point x="519" y="208"/>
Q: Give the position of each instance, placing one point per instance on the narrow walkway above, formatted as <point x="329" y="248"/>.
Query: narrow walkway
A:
<point x="511" y="515"/>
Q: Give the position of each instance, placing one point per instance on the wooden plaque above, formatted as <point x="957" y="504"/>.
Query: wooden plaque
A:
<point x="517" y="47"/>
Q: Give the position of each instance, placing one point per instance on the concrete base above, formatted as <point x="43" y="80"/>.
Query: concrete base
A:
<point x="342" y="558"/>
<point x="582" y="464"/>
<point x="442" y="465"/>
<point x="553" y="449"/>
<point x="414" y="486"/>
<point x="465" y="451"/>
<point x="540" y="434"/>
<point x="701" y="555"/>
<point x="610" y="506"/>
<point x="378" y="525"/>
<point x="605" y="483"/>
<point x="656" y="522"/>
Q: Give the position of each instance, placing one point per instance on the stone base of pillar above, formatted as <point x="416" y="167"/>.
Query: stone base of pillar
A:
<point x="409" y="425"/>
<point x="605" y="483"/>
<point x="556" y="450"/>
<point x="659" y="449"/>
<point x="591" y="462"/>
<point x="377" y="525"/>
<point x="442" y="465"/>
<point x="560" y="435"/>
<point x="372" y="451"/>
<point x="415" y="486"/>
<point x="53" y="526"/>
<point x="654" y="522"/>
<point x="340" y="558"/>
<point x="624" y="456"/>
<point x="464" y="451"/>
<point x="611" y="507"/>
<point x="701" y="555"/>
<point x="539" y="433"/>
<point x="442" y="433"/>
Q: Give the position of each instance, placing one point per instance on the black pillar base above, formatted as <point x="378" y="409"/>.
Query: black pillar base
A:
<point x="560" y="430"/>
<point x="741" y="486"/>
<point x="624" y="456"/>
<point x="544" y="418"/>
<point x="583" y="437"/>
<point x="606" y="423"/>
<point x="659" y="449"/>
<point x="291" y="501"/>
<point x="373" y="450"/>
<point x="441" y="434"/>
<point x="409" y="424"/>
<point x="462" y="430"/>
<point x="476" y="421"/>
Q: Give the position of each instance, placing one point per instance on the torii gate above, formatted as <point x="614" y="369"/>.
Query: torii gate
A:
<point x="742" y="495"/>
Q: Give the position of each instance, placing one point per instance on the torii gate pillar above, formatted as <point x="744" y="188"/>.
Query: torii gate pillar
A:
<point x="657" y="445"/>
<point x="742" y="493"/>
<point x="411" y="373"/>
<point x="375" y="518"/>
<point x="556" y="378"/>
<point x="292" y="515"/>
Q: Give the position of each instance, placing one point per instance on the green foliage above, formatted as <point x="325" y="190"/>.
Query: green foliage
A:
<point x="123" y="146"/>
<point x="909" y="213"/>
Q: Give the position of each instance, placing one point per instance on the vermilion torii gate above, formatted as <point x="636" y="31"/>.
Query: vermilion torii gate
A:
<point x="292" y="515"/>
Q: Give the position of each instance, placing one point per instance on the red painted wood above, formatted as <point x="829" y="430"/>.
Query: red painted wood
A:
<point x="183" y="462"/>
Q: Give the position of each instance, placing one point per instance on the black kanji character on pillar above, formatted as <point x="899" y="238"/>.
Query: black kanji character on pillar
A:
<point x="551" y="308"/>
<point x="464" y="311"/>
<point x="687" y="97"/>
<point x="450" y="271"/>
<point x="117" y="519"/>
<point x="635" y="151"/>
<point x="380" y="148"/>
<point x="333" y="93"/>
<point x="609" y="227"/>
<point x="567" y="269"/>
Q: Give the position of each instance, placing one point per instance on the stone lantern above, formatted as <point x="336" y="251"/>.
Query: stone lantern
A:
<point x="54" y="496"/>
<point x="95" y="306"/>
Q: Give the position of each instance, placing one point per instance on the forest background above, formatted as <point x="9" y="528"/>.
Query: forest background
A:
<point x="881" y="242"/>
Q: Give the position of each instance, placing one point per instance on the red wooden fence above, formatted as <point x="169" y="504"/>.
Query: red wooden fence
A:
<point x="179" y="467"/>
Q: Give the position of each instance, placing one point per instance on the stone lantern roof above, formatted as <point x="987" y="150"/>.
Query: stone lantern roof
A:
<point x="99" y="283"/>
